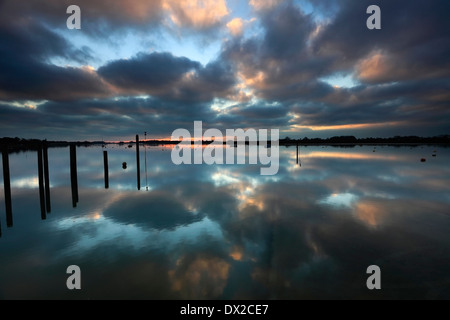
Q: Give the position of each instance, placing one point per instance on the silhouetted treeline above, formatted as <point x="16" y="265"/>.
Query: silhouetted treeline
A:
<point x="443" y="139"/>
<point x="17" y="144"/>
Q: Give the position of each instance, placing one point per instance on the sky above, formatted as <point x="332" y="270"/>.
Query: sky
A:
<point x="308" y="68"/>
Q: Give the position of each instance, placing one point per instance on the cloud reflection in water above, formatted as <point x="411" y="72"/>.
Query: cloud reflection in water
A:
<point x="227" y="232"/>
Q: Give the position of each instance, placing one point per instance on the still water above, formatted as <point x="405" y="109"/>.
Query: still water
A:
<point x="226" y="232"/>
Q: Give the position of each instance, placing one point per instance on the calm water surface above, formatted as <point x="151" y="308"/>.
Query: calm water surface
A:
<point x="225" y="232"/>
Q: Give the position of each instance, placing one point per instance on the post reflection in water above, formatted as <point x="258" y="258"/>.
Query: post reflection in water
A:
<point x="226" y="232"/>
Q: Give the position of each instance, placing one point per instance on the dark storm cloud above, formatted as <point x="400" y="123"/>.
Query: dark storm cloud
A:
<point x="147" y="72"/>
<point x="173" y="78"/>
<point x="51" y="82"/>
<point x="414" y="38"/>
<point x="215" y="80"/>
<point x="112" y="118"/>
<point x="413" y="101"/>
<point x="258" y="115"/>
<point x="12" y="117"/>
<point x="288" y="32"/>
<point x="104" y="19"/>
<point x="134" y="107"/>
<point x="31" y="39"/>
<point x="280" y="60"/>
<point x="27" y="74"/>
<point x="259" y="111"/>
<point x="99" y="17"/>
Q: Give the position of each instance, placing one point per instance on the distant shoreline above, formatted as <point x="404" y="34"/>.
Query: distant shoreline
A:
<point x="17" y="144"/>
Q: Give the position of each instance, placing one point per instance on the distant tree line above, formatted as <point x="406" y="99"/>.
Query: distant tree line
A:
<point x="443" y="139"/>
<point x="18" y="144"/>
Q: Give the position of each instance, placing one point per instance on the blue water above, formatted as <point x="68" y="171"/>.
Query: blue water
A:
<point x="226" y="232"/>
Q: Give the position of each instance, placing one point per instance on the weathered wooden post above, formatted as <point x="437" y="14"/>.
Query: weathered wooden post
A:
<point x="41" y="183"/>
<point x="74" y="174"/>
<point x="47" y="180"/>
<point x="7" y="187"/>
<point x="138" y="163"/>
